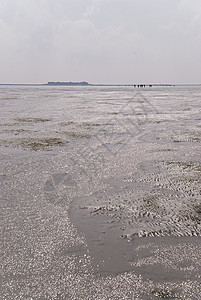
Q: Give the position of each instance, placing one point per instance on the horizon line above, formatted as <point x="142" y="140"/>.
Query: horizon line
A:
<point x="63" y="83"/>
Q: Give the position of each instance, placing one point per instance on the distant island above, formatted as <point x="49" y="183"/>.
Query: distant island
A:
<point x="84" y="83"/>
<point x="68" y="83"/>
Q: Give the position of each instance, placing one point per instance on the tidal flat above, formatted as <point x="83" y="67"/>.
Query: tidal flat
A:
<point x="100" y="192"/>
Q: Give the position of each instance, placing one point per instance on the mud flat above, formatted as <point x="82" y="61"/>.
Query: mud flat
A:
<point x="100" y="193"/>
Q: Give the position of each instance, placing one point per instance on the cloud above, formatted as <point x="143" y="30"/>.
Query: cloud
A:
<point x="92" y="8"/>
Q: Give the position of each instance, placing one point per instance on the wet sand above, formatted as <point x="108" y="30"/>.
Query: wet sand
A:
<point x="100" y="193"/>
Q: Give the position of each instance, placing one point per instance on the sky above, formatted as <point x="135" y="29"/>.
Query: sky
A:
<point x="100" y="41"/>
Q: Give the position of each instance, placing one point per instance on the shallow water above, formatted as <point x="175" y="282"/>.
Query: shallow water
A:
<point x="100" y="192"/>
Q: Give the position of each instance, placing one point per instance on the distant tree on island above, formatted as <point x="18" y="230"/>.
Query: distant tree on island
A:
<point x="68" y="83"/>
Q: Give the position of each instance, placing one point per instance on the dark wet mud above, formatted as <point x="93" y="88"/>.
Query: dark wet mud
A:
<point x="164" y="203"/>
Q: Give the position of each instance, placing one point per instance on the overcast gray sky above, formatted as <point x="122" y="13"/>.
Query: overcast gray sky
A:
<point x="100" y="41"/>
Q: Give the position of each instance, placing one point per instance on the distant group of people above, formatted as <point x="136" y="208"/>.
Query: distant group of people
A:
<point x="142" y="85"/>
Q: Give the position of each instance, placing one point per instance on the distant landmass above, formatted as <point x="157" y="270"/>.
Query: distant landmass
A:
<point x="84" y="83"/>
<point x="68" y="83"/>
